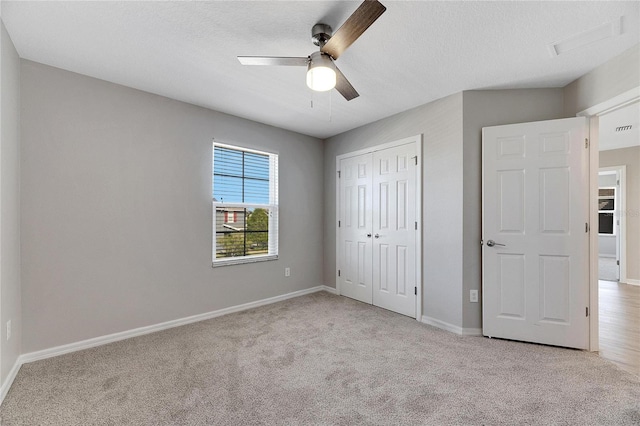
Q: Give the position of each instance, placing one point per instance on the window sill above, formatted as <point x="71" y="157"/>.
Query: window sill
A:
<point x="243" y="260"/>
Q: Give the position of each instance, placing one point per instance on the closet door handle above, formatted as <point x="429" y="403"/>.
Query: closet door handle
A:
<point x="377" y="236"/>
<point x="368" y="235"/>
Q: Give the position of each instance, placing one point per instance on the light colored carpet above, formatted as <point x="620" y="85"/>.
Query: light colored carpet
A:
<point x="607" y="269"/>
<point x="321" y="359"/>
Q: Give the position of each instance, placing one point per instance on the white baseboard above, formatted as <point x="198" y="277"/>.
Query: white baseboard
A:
<point x="110" y="338"/>
<point x="4" y="389"/>
<point x="450" y="327"/>
<point x="632" y="281"/>
<point x="328" y="289"/>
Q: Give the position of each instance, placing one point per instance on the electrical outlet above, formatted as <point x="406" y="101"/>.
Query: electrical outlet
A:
<point x="287" y="272"/>
<point x="8" y="329"/>
<point x="473" y="296"/>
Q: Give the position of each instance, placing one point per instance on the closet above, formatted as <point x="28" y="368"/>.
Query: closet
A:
<point x="378" y="234"/>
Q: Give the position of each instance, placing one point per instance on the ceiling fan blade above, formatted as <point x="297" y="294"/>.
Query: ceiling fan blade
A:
<point x="274" y="60"/>
<point x="344" y="87"/>
<point x="354" y="26"/>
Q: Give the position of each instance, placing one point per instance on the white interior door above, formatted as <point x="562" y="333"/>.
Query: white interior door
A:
<point x="394" y="229"/>
<point x="535" y="222"/>
<point x="355" y="213"/>
<point x="378" y="233"/>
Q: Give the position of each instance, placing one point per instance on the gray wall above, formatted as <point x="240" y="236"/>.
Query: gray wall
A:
<point x="631" y="158"/>
<point x="440" y="123"/>
<point x="452" y="129"/>
<point x="610" y="79"/>
<point x="116" y="195"/>
<point x="116" y="209"/>
<point x="10" y="305"/>
<point x="607" y="245"/>
<point x="483" y="108"/>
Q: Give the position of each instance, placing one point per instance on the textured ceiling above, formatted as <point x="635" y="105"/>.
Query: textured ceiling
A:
<point x="418" y="51"/>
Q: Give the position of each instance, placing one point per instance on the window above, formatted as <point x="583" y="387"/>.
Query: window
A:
<point x="606" y="208"/>
<point x="245" y="205"/>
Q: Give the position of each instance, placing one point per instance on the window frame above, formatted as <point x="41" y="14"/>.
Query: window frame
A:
<point x="272" y="207"/>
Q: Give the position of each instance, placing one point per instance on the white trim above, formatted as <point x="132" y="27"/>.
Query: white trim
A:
<point x="621" y="215"/>
<point x="593" y="174"/>
<point x="337" y="275"/>
<point x="417" y="140"/>
<point x="4" y="389"/>
<point x="472" y="332"/>
<point x="419" y="202"/>
<point x="620" y="101"/>
<point x="115" y="337"/>
<point x="612" y="104"/>
<point x="450" y="327"/>
<point x="632" y="282"/>
<point x="329" y="289"/>
<point x="240" y="260"/>
<point x="272" y="207"/>
<point x="381" y="147"/>
<point x="240" y="147"/>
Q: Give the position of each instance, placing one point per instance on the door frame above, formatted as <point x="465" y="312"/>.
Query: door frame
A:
<point x="594" y="112"/>
<point x="417" y="140"/>
<point x="621" y="207"/>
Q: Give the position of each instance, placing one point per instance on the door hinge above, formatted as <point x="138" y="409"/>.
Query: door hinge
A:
<point x="415" y="291"/>
<point x="339" y="224"/>
<point x="416" y="159"/>
<point x="618" y="262"/>
<point x="586" y="227"/>
<point x="587" y="311"/>
<point x="416" y="225"/>
<point x="338" y="174"/>
<point x="338" y="272"/>
<point x="586" y="142"/>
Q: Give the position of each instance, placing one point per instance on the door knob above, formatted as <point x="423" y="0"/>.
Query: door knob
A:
<point x="377" y="236"/>
<point x="368" y="235"/>
<point x="492" y="243"/>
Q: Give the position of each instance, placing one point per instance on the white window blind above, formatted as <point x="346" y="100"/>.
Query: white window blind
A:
<point x="245" y="205"/>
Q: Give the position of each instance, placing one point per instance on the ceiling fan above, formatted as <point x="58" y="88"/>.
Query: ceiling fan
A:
<point x="322" y="73"/>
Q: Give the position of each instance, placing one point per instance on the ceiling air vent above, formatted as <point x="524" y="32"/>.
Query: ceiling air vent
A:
<point x="601" y="32"/>
<point x="623" y="128"/>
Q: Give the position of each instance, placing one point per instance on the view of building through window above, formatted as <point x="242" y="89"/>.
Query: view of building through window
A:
<point x="245" y="202"/>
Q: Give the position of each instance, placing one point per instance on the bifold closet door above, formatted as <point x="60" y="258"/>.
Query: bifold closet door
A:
<point x="377" y="244"/>
<point x="355" y="245"/>
<point x="394" y="229"/>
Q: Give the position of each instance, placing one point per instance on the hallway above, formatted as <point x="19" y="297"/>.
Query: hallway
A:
<point x="620" y="324"/>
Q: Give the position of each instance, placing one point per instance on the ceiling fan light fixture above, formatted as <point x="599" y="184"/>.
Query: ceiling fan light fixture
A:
<point x="321" y="74"/>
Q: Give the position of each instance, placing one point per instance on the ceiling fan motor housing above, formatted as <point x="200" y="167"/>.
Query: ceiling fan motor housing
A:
<point x="320" y="34"/>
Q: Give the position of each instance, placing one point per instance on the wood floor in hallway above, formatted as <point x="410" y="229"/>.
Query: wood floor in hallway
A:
<point x="619" y="306"/>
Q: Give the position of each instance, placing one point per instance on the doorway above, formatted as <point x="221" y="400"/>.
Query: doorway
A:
<point x="618" y="245"/>
<point x="611" y="229"/>
<point x="378" y="234"/>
